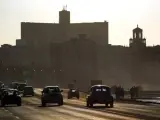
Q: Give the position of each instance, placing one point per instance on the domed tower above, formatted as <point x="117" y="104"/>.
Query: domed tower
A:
<point x="137" y="40"/>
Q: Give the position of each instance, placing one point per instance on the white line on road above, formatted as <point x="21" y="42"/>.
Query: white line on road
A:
<point x="17" y="117"/>
<point x="11" y="113"/>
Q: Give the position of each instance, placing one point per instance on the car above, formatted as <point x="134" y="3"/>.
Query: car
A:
<point x="14" y="85"/>
<point x="21" y="87"/>
<point x="10" y="96"/>
<point x="28" y="90"/>
<point x="100" y="94"/>
<point x="51" y="94"/>
<point x="73" y="93"/>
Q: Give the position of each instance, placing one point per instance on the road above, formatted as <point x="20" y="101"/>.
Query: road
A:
<point x="76" y="110"/>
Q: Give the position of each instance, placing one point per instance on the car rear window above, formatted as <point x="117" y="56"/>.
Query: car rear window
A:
<point x="54" y="89"/>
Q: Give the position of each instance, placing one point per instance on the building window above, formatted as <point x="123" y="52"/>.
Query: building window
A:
<point x="134" y="35"/>
<point x="140" y="35"/>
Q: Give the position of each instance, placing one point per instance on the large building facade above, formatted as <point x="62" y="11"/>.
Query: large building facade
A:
<point x="44" y="33"/>
<point x="39" y="36"/>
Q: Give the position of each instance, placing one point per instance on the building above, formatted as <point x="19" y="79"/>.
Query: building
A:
<point x="20" y="42"/>
<point x="39" y="36"/>
<point x="45" y="33"/>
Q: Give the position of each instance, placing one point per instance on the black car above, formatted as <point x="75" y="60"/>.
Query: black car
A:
<point x="10" y="96"/>
<point x="100" y="94"/>
<point x="73" y="93"/>
<point x="28" y="90"/>
<point x="51" y="94"/>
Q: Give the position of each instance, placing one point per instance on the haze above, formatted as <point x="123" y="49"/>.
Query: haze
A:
<point x="122" y="15"/>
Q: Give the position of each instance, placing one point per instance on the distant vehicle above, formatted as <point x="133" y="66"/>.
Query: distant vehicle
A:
<point x="51" y="94"/>
<point x="21" y="87"/>
<point x="100" y="94"/>
<point x="28" y="90"/>
<point x="73" y="93"/>
<point x="14" y="85"/>
<point x="10" y="96"/>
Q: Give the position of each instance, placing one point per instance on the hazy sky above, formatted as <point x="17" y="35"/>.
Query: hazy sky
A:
<point x="122" y="15"/>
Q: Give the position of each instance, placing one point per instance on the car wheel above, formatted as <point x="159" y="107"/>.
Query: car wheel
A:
<point x="106" y="104"/>
<point x="43" y="104"/>
<point x="19" y="104"/>
<point x="69" y="97"/>
<point x="87" y="104"/>
<point x="91" y="104"/>
<point x="60" y="103"/>
<point x="77" y="97"/>
<point x="111" y="105"/>
<point x="2" y="104"/>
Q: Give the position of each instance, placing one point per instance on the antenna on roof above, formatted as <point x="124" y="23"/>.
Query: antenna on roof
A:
<point x="65" y="7"/>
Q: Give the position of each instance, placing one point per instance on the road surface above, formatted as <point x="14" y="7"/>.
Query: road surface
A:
<point x="75" y="110"/>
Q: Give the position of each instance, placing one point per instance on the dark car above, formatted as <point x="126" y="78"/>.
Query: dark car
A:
<point x="73" y="93"/>
<point x="10" y="96"/>
<point x="14" y="85"/>
<point x="100" y="94"/>
<point x="21" y="87"/>
<point x="51" y="94"/>
<point x="28" y="90"/>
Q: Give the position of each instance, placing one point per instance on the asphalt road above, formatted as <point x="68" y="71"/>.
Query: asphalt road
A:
<point x="76" y="110"/>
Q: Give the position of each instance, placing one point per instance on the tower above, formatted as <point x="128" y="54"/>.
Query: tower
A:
<point x="64" y="16"/>
<point x="137" y="40"/>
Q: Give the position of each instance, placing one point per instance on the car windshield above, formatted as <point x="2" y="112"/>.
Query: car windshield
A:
<point x="14" y="85"/>
<point x="21" y="86"/>
<point x="11" y="92"/>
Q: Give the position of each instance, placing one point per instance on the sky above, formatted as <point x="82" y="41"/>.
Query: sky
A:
<point x="122" y="15"/>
